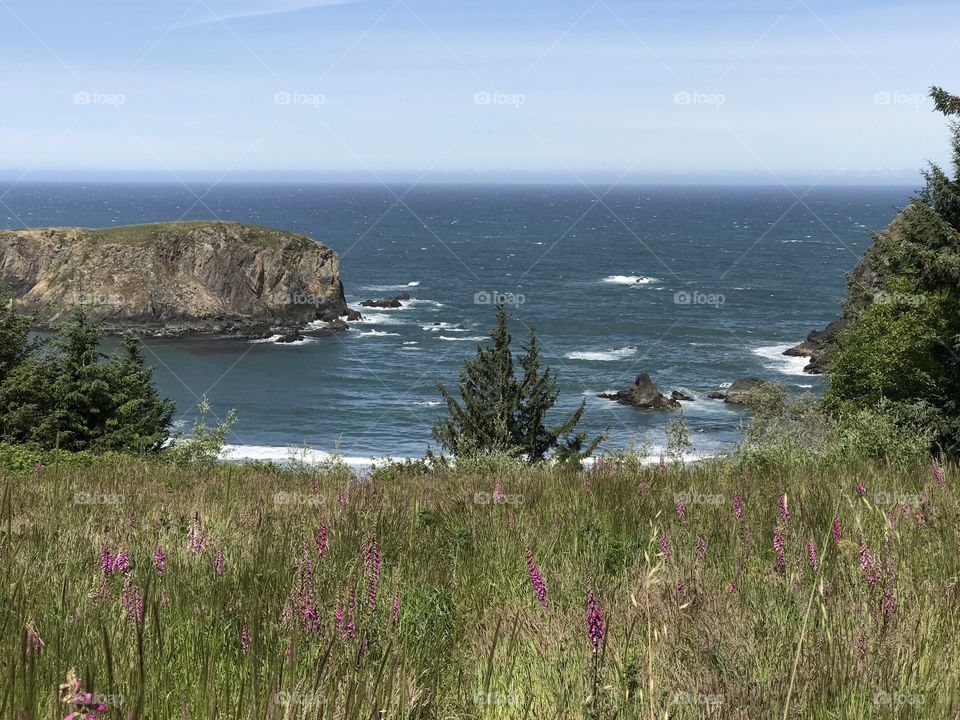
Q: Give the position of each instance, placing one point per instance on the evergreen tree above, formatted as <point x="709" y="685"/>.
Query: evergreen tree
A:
<point x="498" y="412"/>
<point x="15" y="342"/>
<point x="67" y="394"/>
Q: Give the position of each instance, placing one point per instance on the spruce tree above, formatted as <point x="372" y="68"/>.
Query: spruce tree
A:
<point x="497" y="412"/>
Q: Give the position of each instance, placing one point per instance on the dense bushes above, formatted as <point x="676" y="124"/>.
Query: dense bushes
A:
<point x="64" y="393"/>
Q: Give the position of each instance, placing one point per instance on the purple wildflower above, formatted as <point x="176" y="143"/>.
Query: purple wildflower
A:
<point x="665" y="546"/>
<point x="737" y="505"/>
<point x="812" y="554"/>
<point x="497" y="492"/>
<point x="938" y="474"/>
<point x="595" y="627"/>
<point x="539" y="587"/>
<point x="836" y="529"/>
<point x="731" y="587"/>
<point x="244" y="641"/>
<point x="681" y="509"/>
<point x="159" y="560"/>
<point x="106" y="560"/>
<point x="131" y="600"/>
<point x="663" y="464"/>
<point x="778" y="548"/>
<point x="121" y="563"/>
<point x="701" y="545"/>
<point x="784" y="510"/>
<point x="868" y="564"/>
<point x="861" y="490"/>
<point x="37" y="468"/>
<point x="889" y="603"/>
<point x="320" y="537"/>
<point x="218" y="563"/>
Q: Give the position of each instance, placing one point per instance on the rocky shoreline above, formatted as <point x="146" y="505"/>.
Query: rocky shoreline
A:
<point x="644" y="394"/>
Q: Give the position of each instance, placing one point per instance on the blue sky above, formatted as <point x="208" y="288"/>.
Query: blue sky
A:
<point x="688" y="90"/>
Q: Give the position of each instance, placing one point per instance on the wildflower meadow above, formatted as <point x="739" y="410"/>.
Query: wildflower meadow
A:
<point x="137" y="589"/>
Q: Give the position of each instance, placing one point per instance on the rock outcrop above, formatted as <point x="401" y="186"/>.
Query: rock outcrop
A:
<point x="172" y="278"/>
<point x="643" y="394"/>
<point x="739" y="393"/>
<point x="388" y="302"/>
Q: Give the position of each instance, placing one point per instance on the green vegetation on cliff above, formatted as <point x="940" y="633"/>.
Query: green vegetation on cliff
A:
<point x="901" y="351"/>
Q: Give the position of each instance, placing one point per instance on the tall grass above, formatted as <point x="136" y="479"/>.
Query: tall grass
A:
<point x="699" y="618"/>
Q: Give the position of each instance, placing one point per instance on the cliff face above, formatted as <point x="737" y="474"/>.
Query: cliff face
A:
<point x="214" y="277"/>
<point x="864" y="285"/>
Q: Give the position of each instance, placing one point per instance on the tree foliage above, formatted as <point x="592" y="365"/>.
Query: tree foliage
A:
<point x="503" y="406"/>
<point x="65" y="393"/>
<point x="902" y="352"/>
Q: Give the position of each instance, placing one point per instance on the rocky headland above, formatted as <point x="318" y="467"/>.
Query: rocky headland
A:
<point x="176" y="278"/>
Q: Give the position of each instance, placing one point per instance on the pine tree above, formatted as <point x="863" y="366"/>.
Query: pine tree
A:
<point x="500" y="413"/>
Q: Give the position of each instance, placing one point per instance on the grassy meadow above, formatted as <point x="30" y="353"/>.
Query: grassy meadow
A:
<point x="621" y="591"/>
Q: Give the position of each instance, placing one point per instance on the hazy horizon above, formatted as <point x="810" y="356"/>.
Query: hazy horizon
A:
<point x="608" y="91"/>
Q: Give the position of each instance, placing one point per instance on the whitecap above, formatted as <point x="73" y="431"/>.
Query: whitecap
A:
<point x="603" y="355"/>
<point x="776" y="360"/>
<point x="427" y="403"/>
<point x="376" y="333"/>
<point x="472" y="338"/>
<point x="629" y="279"/>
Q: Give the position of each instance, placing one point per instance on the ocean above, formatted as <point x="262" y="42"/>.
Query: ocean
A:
<point x="697" y="286"/>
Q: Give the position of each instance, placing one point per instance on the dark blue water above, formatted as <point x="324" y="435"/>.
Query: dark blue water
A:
<point x="729" y="277"/>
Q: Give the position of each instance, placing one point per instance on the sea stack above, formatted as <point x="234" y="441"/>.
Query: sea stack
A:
<point x="173" y="278"/>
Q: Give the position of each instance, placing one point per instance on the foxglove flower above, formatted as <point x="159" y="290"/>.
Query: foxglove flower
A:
<point x="539" y="586"/>
<point x="595" y="627"/>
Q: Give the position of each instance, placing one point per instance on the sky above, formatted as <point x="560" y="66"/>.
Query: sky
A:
<point x="768" y="91"/>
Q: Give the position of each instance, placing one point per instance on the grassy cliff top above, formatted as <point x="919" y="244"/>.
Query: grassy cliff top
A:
<point x="148" y="232"/>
